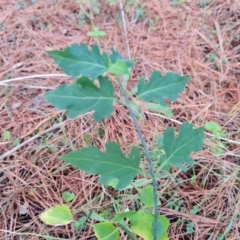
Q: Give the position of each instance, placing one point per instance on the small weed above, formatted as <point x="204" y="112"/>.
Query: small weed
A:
<point x="68" y="196"/>
<point x="2" y="26"/>
<point x="204" y="3"/>
<point x="7" y="135"/>
<point x="86" y="138"/>
<point x="152" y="23"/>
<point x="176" y="3"/>
<point x="16" y="142"/>
<point x="82" y="19"/>
<point x="190" y="227"/>
<point x="101" y="133"/>
<point x="96" y="33"/>
<point x="139" y="14"/>
<point x="21" y="5"/>
<point x="216" y="62"/>
<point x="217" y="147"/>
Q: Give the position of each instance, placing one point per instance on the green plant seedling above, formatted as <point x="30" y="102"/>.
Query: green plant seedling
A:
<point x="215" y="128"/>
<point x="176" y="3"/>
<point x="218" y="147"/>
<point x="96" y="33"/>
<point x="190" y="227"/>
<point x="16" y="142"/>
<point x="7" y="135"/>
<point x="68" y="196"/>
<point x="80" y="223"/>
<point x="2" y="27"/>
<point x="92" y="90"/>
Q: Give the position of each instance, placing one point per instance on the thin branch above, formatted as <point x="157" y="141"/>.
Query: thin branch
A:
<point x="26" y="86"/>
<point x="33" y="76"/>
<point x="125" y="27"/>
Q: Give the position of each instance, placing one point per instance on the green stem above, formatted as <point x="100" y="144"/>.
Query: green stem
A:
<point x="82" y="227"/>
<point x="126" y="230"/>
<point x="147" y="154"/>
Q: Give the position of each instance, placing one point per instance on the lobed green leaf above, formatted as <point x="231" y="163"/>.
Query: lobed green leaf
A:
<point x="83" y="96"/>
<point x="110" y="165"/>
<point x="177" y="150"/>
<point x="160" y="87"/>
<point x="77" y="60"/>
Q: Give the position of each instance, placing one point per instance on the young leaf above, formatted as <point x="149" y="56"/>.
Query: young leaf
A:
<point x="80" y="223"/>
<point x="82" y="96"/>
<point x="142" y="225"/>
<point x="106" y="231"/>
<point x="158" y="87"/>
<point x="96" y="216"/>
<point x="119" y="217"/>
<point x="78" y="60"/>
<point x="115" y="56"/>
<point x="57" y="216"/>
<point x="6" y="135"/>
<point x="177" y="150"/>
<point x="215" y="128"/>
<point x="68" y="196"/>
<point x="156" y="107"/>
<point x="96" y="33"/>
<point x="147" y="196"/>
<point x="139" y="183"/>
<point x="112" y="164"/>
<point x="118" y="68"/>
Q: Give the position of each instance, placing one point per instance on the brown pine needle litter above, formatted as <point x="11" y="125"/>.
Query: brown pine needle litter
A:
<point x="196" y="38"/>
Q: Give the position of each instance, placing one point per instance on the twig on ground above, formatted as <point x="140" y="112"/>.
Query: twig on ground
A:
<point x="36" y="136"/>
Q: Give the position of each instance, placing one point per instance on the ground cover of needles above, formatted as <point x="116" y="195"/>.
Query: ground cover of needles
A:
<point x="199" y="40"/>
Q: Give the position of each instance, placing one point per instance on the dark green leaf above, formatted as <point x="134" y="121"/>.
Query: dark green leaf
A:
<point x="106" y="231"/>
<point x="82" y="96"/>
<point x="78" y="60"/>
<point x="112" y="164"/>
<point x="178" y="149"/>
<point x="158" y="87"/>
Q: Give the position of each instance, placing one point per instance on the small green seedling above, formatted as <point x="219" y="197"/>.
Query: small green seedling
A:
<point x="68" y="196"/>
<point x="218" y="147"/>
<point x="92" y="90"/>
<point x="7" y="135"/>
<point x="96" y="33"/>
<point x="16" y="142"/>
<point x="177" y="3"/>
